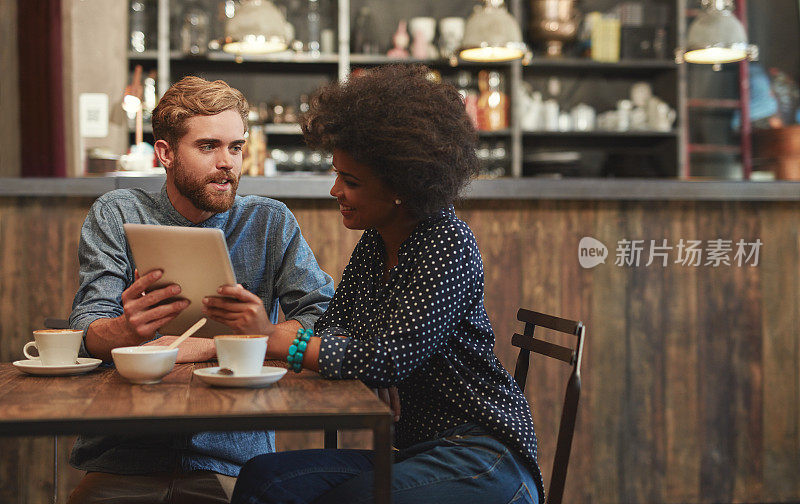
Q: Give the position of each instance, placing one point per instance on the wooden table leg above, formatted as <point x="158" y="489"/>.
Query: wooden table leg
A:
<point x="55" y="469"/>
<point x="382" y="444"/>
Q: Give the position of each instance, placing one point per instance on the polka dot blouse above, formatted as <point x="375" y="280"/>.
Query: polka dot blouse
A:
<point x="426" y="332"/>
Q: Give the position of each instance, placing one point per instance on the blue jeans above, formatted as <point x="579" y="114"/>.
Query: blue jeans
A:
<point x="461" y="465"/>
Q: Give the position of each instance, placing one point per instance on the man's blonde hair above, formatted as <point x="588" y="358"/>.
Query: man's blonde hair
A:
<point x="192" y="96"/>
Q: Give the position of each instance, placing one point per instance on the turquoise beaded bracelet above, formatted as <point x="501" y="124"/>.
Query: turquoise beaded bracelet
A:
<point x="298" y="348"/>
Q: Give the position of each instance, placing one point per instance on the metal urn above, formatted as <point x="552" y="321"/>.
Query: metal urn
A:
<point x="553" y="22"/>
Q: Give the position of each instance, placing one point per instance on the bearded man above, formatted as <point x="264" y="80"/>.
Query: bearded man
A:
<point x="199" y="128"/>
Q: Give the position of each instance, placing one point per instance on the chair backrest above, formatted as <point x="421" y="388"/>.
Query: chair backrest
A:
<point x="56" y="323"/>
<point x="528" y="343"/>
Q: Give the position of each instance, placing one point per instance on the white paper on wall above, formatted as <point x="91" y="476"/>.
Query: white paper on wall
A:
<point x="93" y="115"/>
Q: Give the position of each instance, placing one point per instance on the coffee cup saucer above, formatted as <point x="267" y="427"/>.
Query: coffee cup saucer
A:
<point x="35" y="367"/>
<point x="268" y="376"/>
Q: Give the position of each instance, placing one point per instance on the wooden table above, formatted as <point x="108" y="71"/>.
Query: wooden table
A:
<point x="102" y="402"/>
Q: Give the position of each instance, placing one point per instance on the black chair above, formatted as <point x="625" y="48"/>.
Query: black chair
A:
<point x="56" y="323"/>
<point x="528" y="343"/>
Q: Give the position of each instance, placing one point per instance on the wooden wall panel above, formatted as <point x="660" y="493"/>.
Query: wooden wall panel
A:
<point x="717" y="385"/>
<point x="780" y="272"/>
<point x="747" y="349"/>
<point x="691" y="374"/>
<point x="38" y="278"/>
<point x="682" y="457"/>
<point x="642" y="453"/>
<point x="604" y="370"/>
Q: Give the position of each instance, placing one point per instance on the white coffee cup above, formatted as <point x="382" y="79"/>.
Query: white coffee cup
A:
<point x="242" y="354"/>
<point x="56" y="347"/>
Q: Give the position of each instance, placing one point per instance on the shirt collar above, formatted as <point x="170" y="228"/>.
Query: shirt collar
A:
<point x="442" y="213"/>
<point x="424" y="225"/>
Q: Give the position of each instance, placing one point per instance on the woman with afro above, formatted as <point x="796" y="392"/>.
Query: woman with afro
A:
<point x="408" y="317"/>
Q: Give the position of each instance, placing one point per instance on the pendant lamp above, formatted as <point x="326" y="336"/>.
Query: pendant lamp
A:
<point x="492" y="34"/>
<point x="716" y="36"/>
<point x="257" y="27"/>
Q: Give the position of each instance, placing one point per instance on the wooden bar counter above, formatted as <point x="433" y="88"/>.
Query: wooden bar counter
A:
<point x="690" y="373"/>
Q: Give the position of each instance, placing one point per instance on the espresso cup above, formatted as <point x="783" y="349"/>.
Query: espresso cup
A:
<point x="56" y="347"/>
<point x="242" y="354"/>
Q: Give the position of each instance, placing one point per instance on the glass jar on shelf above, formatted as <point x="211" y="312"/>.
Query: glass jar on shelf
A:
<point x="138" y="20"/>
<point x="363" y="37"/>
<point x="254" y="155"/>
<point x="313" y="45"/>
<point x="492" y="102"/>
<point x="195" y="30"/>
<point x="469" y="93"/>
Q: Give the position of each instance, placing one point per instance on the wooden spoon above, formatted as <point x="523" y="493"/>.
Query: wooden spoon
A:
<point x="188" y="333"/>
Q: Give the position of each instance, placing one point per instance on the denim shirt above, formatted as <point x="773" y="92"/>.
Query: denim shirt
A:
<point x="426" y="332"/>
<point x="270" y="258"/>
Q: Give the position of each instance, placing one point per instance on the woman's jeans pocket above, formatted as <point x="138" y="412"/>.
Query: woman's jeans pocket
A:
<point x="523" y="496"/>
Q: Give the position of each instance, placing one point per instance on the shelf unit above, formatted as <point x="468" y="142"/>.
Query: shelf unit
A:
<point x="663" y="73"/>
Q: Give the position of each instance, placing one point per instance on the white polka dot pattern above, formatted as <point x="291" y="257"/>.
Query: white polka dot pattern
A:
<point x="426" y="332"/>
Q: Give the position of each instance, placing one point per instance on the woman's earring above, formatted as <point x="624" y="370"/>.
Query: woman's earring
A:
<point x="397" y="201"/>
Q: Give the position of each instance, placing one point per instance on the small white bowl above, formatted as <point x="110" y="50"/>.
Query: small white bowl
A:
<point x="144" y="364"/>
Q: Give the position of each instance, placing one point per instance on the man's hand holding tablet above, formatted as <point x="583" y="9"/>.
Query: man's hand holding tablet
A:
<point x="145" y="310"/>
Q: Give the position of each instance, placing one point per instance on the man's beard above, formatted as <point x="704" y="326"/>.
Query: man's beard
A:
<point x="198" y="193"/>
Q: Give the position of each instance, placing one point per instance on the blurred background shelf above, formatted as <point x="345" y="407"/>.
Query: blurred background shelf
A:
<point x="601" y="134"/>
<point x="639" y="66"/>
<point x="279" y="83"/>
<point x="282" y="129"/>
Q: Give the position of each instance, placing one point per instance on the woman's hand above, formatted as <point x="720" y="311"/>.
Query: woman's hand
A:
<point x="392" y="399"/>
<point x="239" y="309"/>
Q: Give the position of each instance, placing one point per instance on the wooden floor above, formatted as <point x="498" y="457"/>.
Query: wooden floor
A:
<point x="691" y="373"/>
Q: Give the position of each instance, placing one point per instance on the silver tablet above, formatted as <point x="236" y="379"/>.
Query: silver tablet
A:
<point x="195" y="258"/>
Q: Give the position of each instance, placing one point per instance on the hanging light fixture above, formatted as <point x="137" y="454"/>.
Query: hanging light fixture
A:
<point x="256" y="27"/>
<point x="492" y="34"/>
<point x="716" y="36"/>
